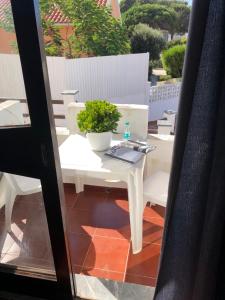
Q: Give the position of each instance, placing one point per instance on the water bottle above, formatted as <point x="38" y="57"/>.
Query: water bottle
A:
<point x="126" y="134"/>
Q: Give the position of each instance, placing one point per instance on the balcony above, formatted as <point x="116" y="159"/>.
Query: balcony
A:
<point x="98" y="230"/>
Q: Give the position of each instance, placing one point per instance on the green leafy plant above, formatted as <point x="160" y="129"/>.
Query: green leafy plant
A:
<point x="146" y="39"/>
<point x="94" y="31"/>
<point x="173" y="60"/>
<point x="126" y="4"/>
<point x="91" y="29"/>
<point x="172" y="43"/>
<point x="98" y="116"/>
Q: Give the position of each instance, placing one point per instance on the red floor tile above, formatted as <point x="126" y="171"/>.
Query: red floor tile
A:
<point x="118" y="193"/>
<point x="160" y="210"/>
<point x="90" y="200"/>
<point x="152" y="233"/>
<point x="122" y="232"/>
<point x="144" y="263"/>
<point x="140" y="280"/>
<point x="107" y="254"/>
<point x="114" y="224"/>
<point x="78" y="245"/>
<point x="152" y="212"/>
<point x="111" y="218"/>
<point x="100" y="203"/>
<point x="95" y="189"/>
<point x="93" y="272"/>
<point x="80" y="222"/>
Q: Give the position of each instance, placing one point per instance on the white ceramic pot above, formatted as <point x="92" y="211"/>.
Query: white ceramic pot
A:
<point x="99" y="141"/>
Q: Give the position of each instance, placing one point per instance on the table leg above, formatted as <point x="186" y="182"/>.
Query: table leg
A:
<point x="78" y="181"/>
<point x="135" y="194"/>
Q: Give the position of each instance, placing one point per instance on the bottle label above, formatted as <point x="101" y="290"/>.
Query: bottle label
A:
<point x="126" y="135"/>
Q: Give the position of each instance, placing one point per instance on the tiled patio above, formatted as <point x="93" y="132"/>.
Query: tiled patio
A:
<point x="98" y="232"/>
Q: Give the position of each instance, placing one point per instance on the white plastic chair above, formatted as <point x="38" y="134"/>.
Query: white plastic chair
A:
<point x="12" y="186"/>
<point x="155" y="187"/>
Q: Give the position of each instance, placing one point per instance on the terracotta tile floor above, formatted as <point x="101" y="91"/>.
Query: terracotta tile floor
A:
<point x="98" y="232"/>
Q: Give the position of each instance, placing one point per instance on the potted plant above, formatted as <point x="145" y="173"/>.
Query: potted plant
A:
<point x="98" y="120"/>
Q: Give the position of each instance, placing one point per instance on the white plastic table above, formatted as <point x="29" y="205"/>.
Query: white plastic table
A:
<point x="79" y="160"/>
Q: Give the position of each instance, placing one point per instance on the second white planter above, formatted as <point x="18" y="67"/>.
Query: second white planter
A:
<point x="99" y="141"/>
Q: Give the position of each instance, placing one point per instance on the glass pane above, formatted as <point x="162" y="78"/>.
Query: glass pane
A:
<point x="24" y="236"/>
<point x="13" y="104"/>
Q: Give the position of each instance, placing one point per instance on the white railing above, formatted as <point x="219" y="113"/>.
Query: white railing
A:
<point x="163" y="97"/>
<point x="164" y="92"/>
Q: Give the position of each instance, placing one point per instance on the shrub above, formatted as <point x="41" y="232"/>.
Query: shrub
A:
<point x="155" y="15"/>
<point x="173" y="60"/>
<point x="98" y="116"/>
<point x="94" y="31"/>
<point x="181" y="41"/>
<point x="146" y="39"/>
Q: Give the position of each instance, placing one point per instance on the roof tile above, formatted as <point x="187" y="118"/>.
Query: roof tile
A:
<point x="55" y="15"/>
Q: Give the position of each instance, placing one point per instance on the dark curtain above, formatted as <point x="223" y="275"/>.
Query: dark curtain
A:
<point x="192" y="260"/>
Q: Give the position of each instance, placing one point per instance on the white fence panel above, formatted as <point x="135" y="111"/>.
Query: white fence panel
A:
<point x="121" y="79"/>
<point x="117" y="78"/>
<point x="56" y="73"/>
<point x="11" y="77"/>
<point x="104" y="77"/>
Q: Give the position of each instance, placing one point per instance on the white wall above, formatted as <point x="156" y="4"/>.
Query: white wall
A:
<point x="162" y="98"/>
<point x="156" y="109"/>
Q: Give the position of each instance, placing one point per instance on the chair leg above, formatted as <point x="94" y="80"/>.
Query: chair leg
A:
<point x="8" y="209"/>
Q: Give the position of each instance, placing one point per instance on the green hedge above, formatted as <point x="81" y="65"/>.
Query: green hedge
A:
<point x="173" y="60"/>
<point x="181" y="41"/>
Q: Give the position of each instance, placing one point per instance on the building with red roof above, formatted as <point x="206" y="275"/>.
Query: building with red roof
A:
<point x="56" y="16"/>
